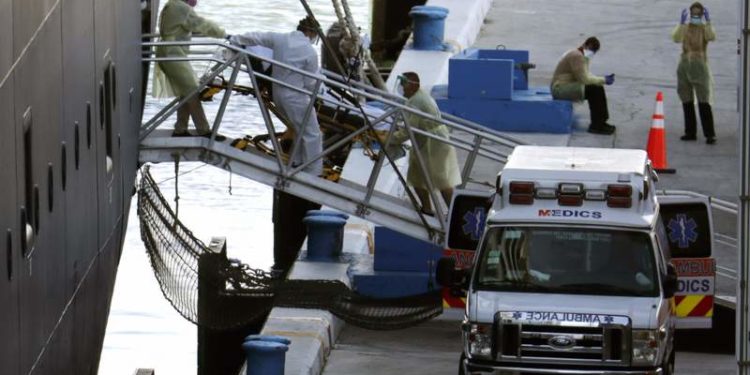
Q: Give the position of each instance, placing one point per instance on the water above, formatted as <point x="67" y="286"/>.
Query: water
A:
<point x="144" y="331"/>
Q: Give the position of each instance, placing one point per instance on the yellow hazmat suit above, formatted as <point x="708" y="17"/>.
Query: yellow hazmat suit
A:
<point x="178" y="22"/>
<point x="439" y="157"/>
<point x="693" y="72"/>
<point x="571" y="77"/>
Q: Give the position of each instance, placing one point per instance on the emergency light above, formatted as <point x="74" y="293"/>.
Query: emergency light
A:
<point x="569" y="194"/>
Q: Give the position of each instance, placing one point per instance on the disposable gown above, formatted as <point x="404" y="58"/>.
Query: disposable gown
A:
<point x="693" y="72"/>
<point x="178" y="22"/>
<point x="296" y="50"/>
<point x="571" y="77"/>
<point x="439" y="157"/>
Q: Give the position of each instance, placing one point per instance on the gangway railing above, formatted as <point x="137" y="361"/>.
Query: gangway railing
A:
<point x="484" y="151"/>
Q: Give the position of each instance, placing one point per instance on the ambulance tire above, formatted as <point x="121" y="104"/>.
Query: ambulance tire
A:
<point x="461" y="364"/>
<point x="669" y="366"/>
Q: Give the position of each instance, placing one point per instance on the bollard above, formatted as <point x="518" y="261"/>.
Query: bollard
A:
<point x="429" y="27"/>
<point x="265" y="357"/>
<point x="269" y="338"/>
<point x="324" y="237"/>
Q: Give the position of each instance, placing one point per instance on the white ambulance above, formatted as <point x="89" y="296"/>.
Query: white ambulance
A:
<point x="572" y="272"/>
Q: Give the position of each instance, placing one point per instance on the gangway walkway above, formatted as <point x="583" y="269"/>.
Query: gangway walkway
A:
<point x="339" y="98"/>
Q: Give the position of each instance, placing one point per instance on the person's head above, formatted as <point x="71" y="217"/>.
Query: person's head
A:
<point x="592" y="45"/>
<point x="409" y="81"/>
<point x="696" y="9"/>
<point x="309" y="27"/>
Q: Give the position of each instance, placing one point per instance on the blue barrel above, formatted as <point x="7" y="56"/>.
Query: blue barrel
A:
<point x="269" y="338"/>
<point x="325" y="237"/>
<point x="327" y="213"/>
<point x="429" y="27"/>
<point x="265" y="357"/>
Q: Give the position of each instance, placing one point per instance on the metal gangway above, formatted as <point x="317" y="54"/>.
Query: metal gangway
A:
<point x="482" y="152"/>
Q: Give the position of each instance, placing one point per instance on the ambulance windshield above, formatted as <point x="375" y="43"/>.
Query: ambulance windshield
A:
<point x="568" y="261"/>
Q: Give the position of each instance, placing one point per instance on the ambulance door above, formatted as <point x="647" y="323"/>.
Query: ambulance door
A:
<point x="688" y="229"/>
<point x="466" y="221"/>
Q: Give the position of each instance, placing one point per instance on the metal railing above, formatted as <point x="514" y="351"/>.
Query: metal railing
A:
<point x="475" y="141"/>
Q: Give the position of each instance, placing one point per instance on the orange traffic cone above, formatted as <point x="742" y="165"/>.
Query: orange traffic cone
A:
<point x="657" y="146"/>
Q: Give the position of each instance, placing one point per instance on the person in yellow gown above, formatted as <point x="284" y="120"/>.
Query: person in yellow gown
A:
<point x="694" y="80"/>
<point x="178" y="22"/>
<point x="439" y="157"/>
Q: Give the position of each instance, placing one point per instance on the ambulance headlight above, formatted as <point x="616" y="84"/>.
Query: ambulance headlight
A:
<point x="478" y="340"/>
<point x="645" y="346"/>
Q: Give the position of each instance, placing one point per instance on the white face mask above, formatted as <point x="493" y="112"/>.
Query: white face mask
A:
<point x="589" y="54"/>
<point x="400" y="90"/>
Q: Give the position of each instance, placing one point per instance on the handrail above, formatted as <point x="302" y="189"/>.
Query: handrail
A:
<point x="475" y="140"/>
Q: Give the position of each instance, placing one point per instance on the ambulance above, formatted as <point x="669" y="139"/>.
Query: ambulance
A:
<point x="573" y="271"/>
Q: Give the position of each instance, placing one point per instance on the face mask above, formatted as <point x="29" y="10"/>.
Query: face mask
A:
<point x="696" y="20"/>
<point x="400" y="90"/>
<point x="589" y="54"/>
<point x="192" y="3"/>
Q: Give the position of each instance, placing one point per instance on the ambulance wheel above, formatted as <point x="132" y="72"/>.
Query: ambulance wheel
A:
<point x="669" y="366"/>
<point x="461" y="364"/>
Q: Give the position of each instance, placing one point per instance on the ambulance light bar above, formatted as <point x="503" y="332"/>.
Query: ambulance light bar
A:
<point x="571" y="194"/>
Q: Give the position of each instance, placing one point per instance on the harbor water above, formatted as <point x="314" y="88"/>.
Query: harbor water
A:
<point x="143" y="330"/>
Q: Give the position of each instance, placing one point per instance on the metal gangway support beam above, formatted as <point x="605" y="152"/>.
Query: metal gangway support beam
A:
<point x="482" y="151"/>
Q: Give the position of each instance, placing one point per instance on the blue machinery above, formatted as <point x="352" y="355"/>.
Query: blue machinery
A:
<point x="491" y="87"/>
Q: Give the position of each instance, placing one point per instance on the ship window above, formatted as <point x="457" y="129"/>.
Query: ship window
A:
<point x="77" y="145"/>
<point x="88" y="125"/>
<point x="9" y="253"/>
<point x="102" y="101"/>
<point x="107" y="96"/>
<point x="50" y="187"/>
<point x="28" y="162"/>
<point x="63" y="165"/>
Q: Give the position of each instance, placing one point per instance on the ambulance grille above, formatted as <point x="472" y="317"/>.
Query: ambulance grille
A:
<point x="548" y="342"/>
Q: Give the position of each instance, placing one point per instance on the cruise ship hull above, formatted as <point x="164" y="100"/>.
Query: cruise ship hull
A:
<point x="71" y="94"/>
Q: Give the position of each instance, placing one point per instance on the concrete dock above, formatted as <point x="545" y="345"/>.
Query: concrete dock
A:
<point x="636" y="46"/>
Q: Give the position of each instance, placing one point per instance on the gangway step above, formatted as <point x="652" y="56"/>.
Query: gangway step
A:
<point x="349" y="197"/>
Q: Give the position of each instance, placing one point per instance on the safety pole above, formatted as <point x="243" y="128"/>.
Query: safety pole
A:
<point x="743" y="207"/>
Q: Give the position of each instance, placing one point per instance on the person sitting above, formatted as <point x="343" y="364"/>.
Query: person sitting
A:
<point x="573" y="81"/>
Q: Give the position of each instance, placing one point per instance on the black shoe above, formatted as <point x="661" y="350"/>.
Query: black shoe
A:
<point x="218" y="137"/>
<point x="710" y="140"/>
<point x="180" y="134"/>
<point x="687" y="138"/>
<point x="604" y="129"/>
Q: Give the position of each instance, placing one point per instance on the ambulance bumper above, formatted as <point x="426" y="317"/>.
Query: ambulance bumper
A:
<point x="471" y="368"/>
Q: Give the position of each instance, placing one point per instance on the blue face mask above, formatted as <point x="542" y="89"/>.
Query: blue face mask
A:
<point x="696" y="20"/>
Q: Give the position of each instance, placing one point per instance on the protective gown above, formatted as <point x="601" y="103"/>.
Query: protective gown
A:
<point x="178" y="22"/>
<point x="571" y="77"/>
<point x="693" y="72"/>
<point x="439" y="157"/>
<point x="296" y="50"/>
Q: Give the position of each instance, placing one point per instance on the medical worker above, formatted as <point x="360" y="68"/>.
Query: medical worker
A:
<point x="693" y="73"/>
<point x="295" y="49"/>
<point x="573" y="81"/>
<point x="178" y="23"/>
<point x="439" y="157"/>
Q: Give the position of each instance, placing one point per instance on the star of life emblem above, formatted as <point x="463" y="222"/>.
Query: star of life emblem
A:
<point x="682" y="230"/>
<point x="474" y="223"/>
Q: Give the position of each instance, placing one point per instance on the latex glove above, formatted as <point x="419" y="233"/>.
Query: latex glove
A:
<point x="609" y="79"/>
<point x="684" y="16"/>
<point x="706" y="15"/>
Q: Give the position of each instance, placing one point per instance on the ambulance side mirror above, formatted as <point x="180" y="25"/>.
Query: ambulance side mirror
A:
<point x="447" y="275"/>
<point x="670" y="281"/>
